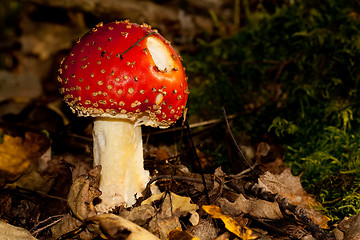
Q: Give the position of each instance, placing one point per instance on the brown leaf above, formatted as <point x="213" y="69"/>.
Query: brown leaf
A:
<point x="67" y="224"/>
<point x="255" y="207"/>
<point x="139" y="215"/>
<point x="178" y="234"/>
<point x="216" y="190"/>
<point x="290" y="187"/>
<point x="205" y="229"/>
<point x="348" y="229"/>
<point x="80" y="201"/>
<point x="33" y="181"/>
<point x="82" y="193"/>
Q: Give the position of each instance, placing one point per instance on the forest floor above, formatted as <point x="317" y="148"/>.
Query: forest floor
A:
<point x="48" y="184"/>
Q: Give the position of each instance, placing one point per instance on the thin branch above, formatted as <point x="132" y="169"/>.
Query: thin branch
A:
<point x="20" y="189"/>
<point x="198" y="162"/>
<point x="137" y="42"/>
<point x="240" y="153"/>
<point x="182" y="178"/>
<point x="283" y="203"/>
<point x="195" y="125"/>
<point x="48" y="225"/>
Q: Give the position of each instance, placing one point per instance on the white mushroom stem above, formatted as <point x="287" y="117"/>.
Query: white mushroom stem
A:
<point x="118" y="149"/>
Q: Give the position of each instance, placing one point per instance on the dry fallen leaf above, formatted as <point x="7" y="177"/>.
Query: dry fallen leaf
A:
<point x="69" y="223"/>
<point x="18" y="155"/>
<point x="254" y="207"/>
<point x="80" y="201"/>
<point x="32" y="180"/>
<point x="348" y="229"/>
<point x="110" y="226"/>
<point x="233" y="226"/>
<point x="139" y="215"/>
<point x="10" y="232"/>
<point x="205" y="229"/>
<point x="179" y="204"/>
<point x="289" y="187"/>
<point x="172" y="207"/>
<point x="178" y="234"/>
<point x="82" y="193"/>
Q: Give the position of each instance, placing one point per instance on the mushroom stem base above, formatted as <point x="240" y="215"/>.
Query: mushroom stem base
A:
<point x="118" y="149"/>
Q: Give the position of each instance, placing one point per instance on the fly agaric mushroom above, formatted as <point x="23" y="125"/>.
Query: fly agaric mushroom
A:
<point x="124" y="75"/>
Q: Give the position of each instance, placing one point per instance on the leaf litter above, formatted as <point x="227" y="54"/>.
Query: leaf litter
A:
<point x="165" y="214"/>
<point x="36" y="188"/>
<point x="265" y="199"/>
<point x="177" y="203"/>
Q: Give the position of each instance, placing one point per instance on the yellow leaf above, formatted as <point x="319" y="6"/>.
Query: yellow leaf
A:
<point x="231" y="224"/>
<point x="172" y="208"/>
<point x="17" y="154"/>
<point x="179" y="203"/>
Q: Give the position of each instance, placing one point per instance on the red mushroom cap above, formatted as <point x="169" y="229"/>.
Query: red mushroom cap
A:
<point x="125" y="70"/>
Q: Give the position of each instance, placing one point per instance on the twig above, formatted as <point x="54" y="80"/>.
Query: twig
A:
<point x="73" y="233"/>
<point x="192" y="126"/>
<point x="198" y="162"/>
<point x="240" y="153"/>
<point x="195" y="125"/>
<point x="299" y="212"/>
<point x="37" y="231"/>
<point x="272" y="228"/>
<point x="20" y="189"/>
<point x="183" y="178"/>
<point x="121" y="55"/>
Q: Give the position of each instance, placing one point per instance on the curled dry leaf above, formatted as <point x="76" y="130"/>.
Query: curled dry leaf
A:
<point x="171" y="209"/>
<point x="82" y="193"/>
<point x="231" y="224"/>
<point x="289" y="186"/>
<point x="80" y="201"/>
<point x="110" y="226"/>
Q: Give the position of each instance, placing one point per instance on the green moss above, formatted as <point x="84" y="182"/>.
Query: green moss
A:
<point x="294" y="75"/>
